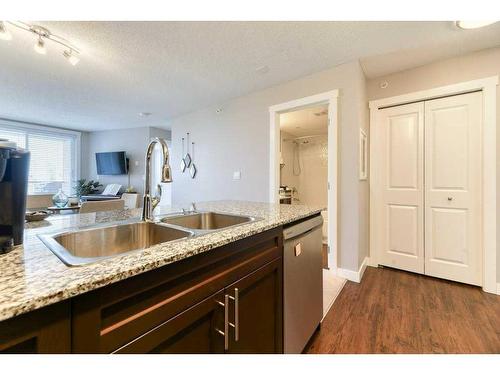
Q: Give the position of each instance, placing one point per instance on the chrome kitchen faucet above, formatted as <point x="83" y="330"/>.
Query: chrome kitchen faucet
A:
<point x="150" y="203"/>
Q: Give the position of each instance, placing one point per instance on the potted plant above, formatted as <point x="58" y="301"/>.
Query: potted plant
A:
<point x="130" y="190"/>
<point x="84" y="187"/>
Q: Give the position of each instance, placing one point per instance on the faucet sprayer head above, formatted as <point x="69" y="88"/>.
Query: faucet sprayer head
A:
<point x="166" y="173"/>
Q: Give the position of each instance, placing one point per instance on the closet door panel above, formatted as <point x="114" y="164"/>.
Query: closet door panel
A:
<point x="403" y="230"/>
<point x="403" y="144"/>
<point x="453" y="188"/>
<point x="400" y="165"/>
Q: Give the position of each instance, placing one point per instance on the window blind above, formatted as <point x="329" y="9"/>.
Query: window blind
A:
<point x="53" y="162"/>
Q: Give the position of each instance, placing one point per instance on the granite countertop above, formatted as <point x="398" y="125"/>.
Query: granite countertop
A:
<point x="31" y="276"/>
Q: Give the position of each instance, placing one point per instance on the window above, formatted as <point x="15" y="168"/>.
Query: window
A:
<point x="54" y="161"/>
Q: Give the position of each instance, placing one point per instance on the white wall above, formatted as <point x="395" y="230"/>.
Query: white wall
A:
<point x="287" y="176"/>
<point x="133" y="141"/>
<point x="314" y="174"/>
<point x="364" y="186"/>
<point x="237" y="139"/>
<point x="312" y="181"/>
<point x="464" y="68"/>
<point x="160" y="133"/>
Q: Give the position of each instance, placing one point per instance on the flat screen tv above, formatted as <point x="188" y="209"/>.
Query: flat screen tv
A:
<point x="111" y="163"/>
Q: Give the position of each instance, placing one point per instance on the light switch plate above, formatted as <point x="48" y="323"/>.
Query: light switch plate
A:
<point x="237" y="175"/>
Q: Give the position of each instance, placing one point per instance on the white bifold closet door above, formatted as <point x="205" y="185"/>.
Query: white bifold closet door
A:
<point x="402" y="174"/>
<point x="431" y="172"/>
<point x="453" y="188"/>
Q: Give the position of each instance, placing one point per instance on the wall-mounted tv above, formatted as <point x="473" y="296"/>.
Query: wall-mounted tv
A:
<point x="111" y="163"/>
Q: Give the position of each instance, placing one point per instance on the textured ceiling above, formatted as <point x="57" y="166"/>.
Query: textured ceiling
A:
<point x="305" y="121"/>
<point x="172" y="68"/>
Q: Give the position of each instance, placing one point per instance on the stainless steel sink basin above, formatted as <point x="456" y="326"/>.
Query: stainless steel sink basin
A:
<point x="94" y="244"/>
<point x="206" y="221"/>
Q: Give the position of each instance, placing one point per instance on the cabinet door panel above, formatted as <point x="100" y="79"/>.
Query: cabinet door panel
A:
<point x="260" y="311"/>
<point x="193" y="331"/>
<point x="46" y="330"/>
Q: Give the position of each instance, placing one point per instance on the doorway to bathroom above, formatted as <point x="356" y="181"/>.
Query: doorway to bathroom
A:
<point x="303" y="169"/>
<point x="304" y="161"/>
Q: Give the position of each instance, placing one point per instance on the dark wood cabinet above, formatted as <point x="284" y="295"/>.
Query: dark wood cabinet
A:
<point x="252" y="324"/>
<point x="194" y="331"/>
<point x="43" y="331"/>
<point x="180" y="308"/>
<point x="256" y="311"/>
<point x="189" y="306"/>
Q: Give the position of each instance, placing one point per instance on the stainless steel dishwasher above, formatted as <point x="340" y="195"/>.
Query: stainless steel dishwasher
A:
<point x="303" y="282"/>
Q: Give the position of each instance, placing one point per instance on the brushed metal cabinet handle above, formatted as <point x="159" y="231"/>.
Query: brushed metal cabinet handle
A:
<point x="225" y="333"/>
<point x="236" y="324"/>
<point x="226" y="322"/>
<point x="236" y="314"/>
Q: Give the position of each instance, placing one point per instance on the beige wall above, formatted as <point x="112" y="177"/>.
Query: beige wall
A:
<point x="237" y="139"/>
<point x="364" y="185"/>
<point x="133" y="141"/>
<point x="477" y="65"/>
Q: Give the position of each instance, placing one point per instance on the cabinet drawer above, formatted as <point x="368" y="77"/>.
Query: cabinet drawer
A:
<point x="109" y="318"/>
<point x="193" y="331"/>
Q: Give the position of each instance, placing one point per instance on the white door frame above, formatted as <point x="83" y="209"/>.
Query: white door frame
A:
<point x="330" y="98"/>
<point x="489" y="216"/>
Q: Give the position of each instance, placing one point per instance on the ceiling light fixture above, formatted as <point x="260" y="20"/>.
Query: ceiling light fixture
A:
<point x="4" y="33"/>
<point x="39" y="46"/>
<point x="145" y="114"/>
<point x="71" y="53"/>
<point x="467" y="25"/>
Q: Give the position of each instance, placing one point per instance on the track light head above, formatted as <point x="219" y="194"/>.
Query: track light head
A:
<point x="4" y="33"/>
<point x="40" y="46"/>
<point x="72" y="57"/>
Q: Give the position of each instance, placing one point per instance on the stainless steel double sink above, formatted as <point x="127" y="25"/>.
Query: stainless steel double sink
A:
<point x="206" y="221"/>
<point x="92" y="244"/>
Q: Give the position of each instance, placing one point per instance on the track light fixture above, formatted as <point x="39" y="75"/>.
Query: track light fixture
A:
<point x="40" y="46"/>
<point x="73" y="59"/>
<point x="71" y="53"/>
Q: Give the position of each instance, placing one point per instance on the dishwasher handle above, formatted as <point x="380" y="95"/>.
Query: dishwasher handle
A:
<point x="302" y="227"/>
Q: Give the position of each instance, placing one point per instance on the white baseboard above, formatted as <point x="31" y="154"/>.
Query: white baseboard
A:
<point x="372" y="262"/>
<point x="355" y="276"/>
<point x="498" y="289"/>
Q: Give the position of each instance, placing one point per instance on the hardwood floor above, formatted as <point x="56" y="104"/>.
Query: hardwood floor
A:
<point x="394" y="311"/>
